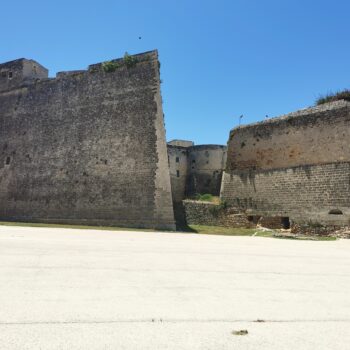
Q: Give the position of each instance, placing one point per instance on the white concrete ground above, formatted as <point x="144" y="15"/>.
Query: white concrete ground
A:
<point x="83" y="289"/>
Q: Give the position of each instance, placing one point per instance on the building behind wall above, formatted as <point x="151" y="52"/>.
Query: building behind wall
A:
<point x="296" y="166"/>
<point x="178" y="166"/>
<point x="195" y="169"/>
<point x="86" y="147"/>
<point x="20" y="72"/>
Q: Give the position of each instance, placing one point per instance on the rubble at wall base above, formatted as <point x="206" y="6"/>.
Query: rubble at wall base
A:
<point x="210" y="214"/>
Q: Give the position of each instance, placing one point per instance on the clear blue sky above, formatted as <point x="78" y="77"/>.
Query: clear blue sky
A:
<point x="219" y="59"/>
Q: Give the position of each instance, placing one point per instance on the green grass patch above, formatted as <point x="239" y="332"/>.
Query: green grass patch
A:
<point x="79" y="227"/>
<point x="207" y="197"/>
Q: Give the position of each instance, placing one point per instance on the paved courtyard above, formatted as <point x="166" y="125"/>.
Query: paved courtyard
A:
<point x="87" y="289"/>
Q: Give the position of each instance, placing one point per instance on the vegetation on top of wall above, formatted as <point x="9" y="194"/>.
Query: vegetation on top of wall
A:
<point x="130" y="61"/>
<point x="334" y="96"/>
<point x="207" y="197"/>
<point x="219" y="204"/>
<point x="112" y="66"/>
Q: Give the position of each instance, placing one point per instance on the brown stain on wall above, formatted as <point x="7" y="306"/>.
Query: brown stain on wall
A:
<point x="317" y="137"/>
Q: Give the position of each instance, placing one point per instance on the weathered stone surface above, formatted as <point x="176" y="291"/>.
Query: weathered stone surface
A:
<point x="296" y="166"/>
<point x="313" y="136"/>
<point x="86" y="147"/>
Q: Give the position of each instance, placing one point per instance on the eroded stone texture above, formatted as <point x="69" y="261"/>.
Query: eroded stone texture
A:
<point x="312" y="136"/>
<point x="295" y="166"/>
<point x="86" y="147"/>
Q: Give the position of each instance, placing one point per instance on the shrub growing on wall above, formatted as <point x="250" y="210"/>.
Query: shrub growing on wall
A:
<point x="332" y="97"/>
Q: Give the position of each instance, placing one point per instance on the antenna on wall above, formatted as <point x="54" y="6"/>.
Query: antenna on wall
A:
<point x="239" y="120"/>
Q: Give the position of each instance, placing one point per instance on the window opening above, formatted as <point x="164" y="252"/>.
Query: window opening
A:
<point x="285" y="223"/>
<point x="335" y="212"/>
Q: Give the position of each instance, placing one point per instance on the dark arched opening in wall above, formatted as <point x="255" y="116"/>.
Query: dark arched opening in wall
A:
<point x="285" y="222"/>
<point x="335" y="212"/>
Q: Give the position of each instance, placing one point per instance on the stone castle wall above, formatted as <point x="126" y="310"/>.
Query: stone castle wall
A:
<point x="316" y="135"/>
<point x="195" y="169"/>
<point x="296" y="166"/>
<point x="87" y="147"/>
<point x="206" y="164"/>
<point x="178" y="165"/>
<point x="303" y="193"/>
